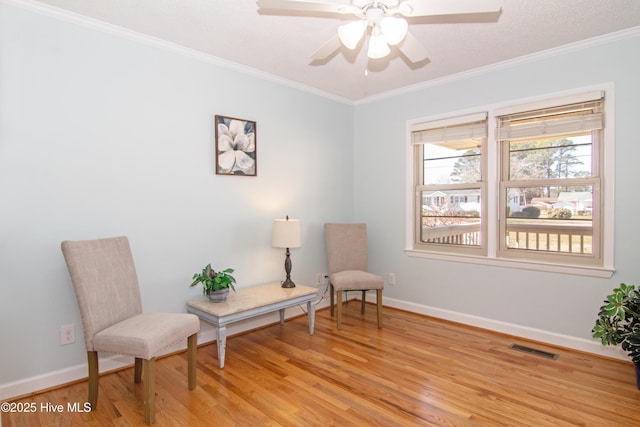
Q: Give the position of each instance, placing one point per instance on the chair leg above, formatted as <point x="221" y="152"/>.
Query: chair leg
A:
<point x="339" y="308"/>
<point x="192" y="351"/>
<point x="379" y="304"/>
<point x="92" y="358"/>
<point x="137" y="370"/>
<point x="364" y="296"/>
<point x="149" y="390"/>
<point x="331" y="290"/>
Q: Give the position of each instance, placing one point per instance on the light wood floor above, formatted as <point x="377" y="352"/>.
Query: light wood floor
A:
<point x="415" y="371"/>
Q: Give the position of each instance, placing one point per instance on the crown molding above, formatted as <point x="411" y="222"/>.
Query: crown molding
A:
<point x="95" y="24"/>
<point x="525" y="59"/>
<point x="102" y="26"/>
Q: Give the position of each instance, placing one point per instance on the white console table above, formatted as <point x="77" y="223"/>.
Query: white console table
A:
<point x="246" y="303"/>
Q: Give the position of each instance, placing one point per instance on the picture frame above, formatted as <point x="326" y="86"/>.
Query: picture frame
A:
<point x="235" y="146"/>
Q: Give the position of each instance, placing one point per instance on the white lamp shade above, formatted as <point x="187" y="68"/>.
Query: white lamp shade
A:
<point x="378" y="47"/>
<point x="286" y="233"/>
<point x="351" y="33"/>
<point x="394" y="29"/>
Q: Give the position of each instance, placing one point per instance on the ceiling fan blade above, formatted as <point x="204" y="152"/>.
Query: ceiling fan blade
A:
<point x="327" y="49"/>
<point x="304" y="5"/>
<point x="447" y="7"/>
<point x="413" y="49"/>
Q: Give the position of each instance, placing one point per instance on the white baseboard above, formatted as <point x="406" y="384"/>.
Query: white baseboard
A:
<point x="566" y="341"/>
<point x="208" y="334"/>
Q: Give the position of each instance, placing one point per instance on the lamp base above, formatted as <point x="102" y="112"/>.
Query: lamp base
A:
<point x="288" y="284"/>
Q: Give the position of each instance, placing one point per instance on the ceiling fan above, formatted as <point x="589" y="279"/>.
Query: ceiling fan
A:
<point x="382" y="19"/>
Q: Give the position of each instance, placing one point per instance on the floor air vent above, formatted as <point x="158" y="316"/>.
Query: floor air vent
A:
<point x="533" y="351"/>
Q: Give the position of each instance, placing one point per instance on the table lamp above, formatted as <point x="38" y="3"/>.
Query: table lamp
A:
<point x="286" y="234"/>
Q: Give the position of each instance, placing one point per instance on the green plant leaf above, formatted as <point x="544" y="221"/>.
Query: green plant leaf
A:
<point x="618" y="320"/>
<point x="615" y="307"/>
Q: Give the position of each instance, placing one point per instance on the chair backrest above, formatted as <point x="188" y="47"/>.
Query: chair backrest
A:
<point x="105" y="282"/>
<point x="346" y="246"/>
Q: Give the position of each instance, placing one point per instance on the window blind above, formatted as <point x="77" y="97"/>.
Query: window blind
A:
<point x="463" y="128"/>
<point x="549" y="122"/>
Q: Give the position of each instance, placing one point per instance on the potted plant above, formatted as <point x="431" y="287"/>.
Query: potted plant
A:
<point x="215" y="284"/>
<point x="619" y="323"/>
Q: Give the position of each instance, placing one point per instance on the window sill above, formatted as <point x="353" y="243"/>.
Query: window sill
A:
<point x="602" y="272"/>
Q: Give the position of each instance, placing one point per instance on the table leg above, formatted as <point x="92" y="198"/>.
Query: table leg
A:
<point x="311" y="312"/>
<point x="282" y="316"/>
<point x="222" y="345"/>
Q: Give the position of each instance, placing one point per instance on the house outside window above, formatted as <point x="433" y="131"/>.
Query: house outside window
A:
<point x="522" y="185"/>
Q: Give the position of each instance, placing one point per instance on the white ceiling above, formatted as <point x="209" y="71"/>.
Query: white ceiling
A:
<point x="281" y="45"/>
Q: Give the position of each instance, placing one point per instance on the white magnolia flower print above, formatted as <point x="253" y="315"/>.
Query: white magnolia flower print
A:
<point x="236" y="147"/>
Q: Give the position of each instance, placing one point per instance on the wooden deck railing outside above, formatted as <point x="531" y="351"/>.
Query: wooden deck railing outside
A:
<point x="544" y="237"/>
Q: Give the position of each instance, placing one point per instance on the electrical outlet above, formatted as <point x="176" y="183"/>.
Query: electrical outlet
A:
<point x="322" y="279"/>
<point x="67" y="334"/>
<point x="392" y="278"/>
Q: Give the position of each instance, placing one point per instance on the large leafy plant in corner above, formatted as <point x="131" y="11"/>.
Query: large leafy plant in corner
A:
<point x="214" y="280"/>
<point x="619" y="321"/>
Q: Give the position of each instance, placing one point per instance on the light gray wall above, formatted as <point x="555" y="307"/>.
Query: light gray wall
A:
<point x="102" y="136"/>
<point x="555" y="303"/>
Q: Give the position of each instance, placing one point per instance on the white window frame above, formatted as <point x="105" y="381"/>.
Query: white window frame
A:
<point x="492" y="153"/>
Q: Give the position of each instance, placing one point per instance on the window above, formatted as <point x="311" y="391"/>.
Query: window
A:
<point x="449" y="188"/>
<point x="551" y="182"/>
<point x="519" y="185"/>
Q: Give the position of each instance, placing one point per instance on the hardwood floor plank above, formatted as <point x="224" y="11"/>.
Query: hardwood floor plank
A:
<point x="415" y="371"/>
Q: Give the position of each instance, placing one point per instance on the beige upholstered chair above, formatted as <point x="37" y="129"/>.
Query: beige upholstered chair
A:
<point x="106" y="286"/>
<point x="346" y="246"/>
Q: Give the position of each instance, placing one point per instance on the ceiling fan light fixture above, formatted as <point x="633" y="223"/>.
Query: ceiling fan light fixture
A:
<point x="378" y="47"/>
<point x="405" y="8"/>
<point x="373" y="13"/>
<point x="351" y="33"/>
<point x="393" y="29"/>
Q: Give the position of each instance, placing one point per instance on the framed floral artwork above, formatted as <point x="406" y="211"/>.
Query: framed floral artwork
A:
<point x="235" y="146"/>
